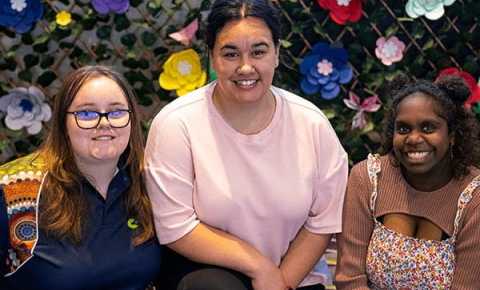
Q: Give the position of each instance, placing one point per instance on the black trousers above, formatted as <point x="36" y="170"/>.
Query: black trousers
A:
<point x="180" y="273"/>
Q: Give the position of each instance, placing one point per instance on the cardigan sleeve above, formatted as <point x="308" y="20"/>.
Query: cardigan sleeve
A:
<point x="467" y="268"/>
<point x="357" y="228"/>
<point x="3" y="233"/>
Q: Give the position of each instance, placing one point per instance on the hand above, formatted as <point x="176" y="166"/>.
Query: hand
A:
<point x="268" y="277"/>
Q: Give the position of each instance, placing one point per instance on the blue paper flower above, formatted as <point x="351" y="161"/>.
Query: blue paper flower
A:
<point x="20" y="15"/>
<point x="107" y="6"/>
<point x="324" y="69"/>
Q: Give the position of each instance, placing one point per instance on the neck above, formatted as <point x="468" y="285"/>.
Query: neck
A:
<point x="98" y="174"/>
<point x="246" y="118"/>
<point x="429" y="181"/>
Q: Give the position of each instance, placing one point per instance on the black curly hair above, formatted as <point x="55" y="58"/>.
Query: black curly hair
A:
<point x="449" y="94"/>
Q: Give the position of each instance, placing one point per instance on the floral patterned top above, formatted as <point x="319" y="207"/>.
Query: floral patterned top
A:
<point x="397" y="261"/>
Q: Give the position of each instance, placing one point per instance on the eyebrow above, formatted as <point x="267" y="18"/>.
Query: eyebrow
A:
<point x="93" y="104"/>
<point x="256" y="45"/>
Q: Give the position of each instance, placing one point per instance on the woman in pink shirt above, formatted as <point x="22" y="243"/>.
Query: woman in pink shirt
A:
<point x="246" y="179"/>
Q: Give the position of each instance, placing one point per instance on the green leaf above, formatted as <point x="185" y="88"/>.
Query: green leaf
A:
<point x="148" y="38"/>
<point x="25" y="75"/>
<point x="41" y="39"/>
<point x="285" y="43"/>
<point x="329" y="113"/>
<point x="46" y="78"/>
<point x="104" y="32"/>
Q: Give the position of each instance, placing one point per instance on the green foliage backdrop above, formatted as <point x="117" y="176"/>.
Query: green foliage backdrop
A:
<point x="137" y="44"/>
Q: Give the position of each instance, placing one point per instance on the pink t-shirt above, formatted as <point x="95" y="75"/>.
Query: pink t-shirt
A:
<point x="262" y="188"/>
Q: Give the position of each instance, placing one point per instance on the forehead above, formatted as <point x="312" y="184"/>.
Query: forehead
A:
<point x="99" y="90"/>
<point x="418" y="105"/>
<point x="246" y="30"/>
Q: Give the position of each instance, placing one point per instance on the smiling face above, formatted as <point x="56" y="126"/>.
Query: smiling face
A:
<point x="244" y="58"/>
<point x="421" y="141"/>
<point x="103" y="143"/>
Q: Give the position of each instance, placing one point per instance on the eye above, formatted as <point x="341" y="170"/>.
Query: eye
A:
<point x="428" y="128"/>
<point x="86" y="115"/>
<point x="117" y="114"/>
<point x="230" y="54"/>
<point x="259" y="53"/>
<point x="402" y="129"/>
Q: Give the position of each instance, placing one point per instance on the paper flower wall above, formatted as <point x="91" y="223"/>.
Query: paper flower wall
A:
<point x="107" y="6"/>
<point x="432" y="9"/>
<point x="370" y="104"/>
<point x="25" y="108"/>
<point x="343" y="11"/>
<point x="469" y="80"/>
<point x="324" y="69"/>
<point x="20" y="15"/>
<point x="183" y="72"/>
<point x="389" y="50"/>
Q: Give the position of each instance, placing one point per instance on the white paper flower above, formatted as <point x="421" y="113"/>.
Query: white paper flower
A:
<point x="432" y="9"/>
<point x="25" y="108"/>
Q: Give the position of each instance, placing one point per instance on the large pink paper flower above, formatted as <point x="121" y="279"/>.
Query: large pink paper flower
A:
<point x="389" y="50"/>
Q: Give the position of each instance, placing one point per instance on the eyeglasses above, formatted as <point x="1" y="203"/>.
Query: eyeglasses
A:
<point x="91" y="119"/>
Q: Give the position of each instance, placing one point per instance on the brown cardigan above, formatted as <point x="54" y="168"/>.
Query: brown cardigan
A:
<point x="395" y="195"/>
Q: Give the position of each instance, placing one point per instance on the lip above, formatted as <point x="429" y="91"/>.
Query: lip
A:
<point x="103" y="138"/>
<point x="418" y="156"/>
<point x="246" y="83"/>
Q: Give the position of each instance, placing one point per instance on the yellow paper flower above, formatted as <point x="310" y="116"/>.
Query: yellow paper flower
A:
<point x="182" y="72"/>
<point x="63" y="18"/>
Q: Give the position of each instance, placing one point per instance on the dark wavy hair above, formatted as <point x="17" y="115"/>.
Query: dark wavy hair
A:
<point x="64" y="210"/>
<point x="224" y="11"/>
<point x="449" y="94"/>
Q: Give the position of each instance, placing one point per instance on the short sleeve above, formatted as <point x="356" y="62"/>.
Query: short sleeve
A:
<point x="325" y="216"/>
<point x="170" y="177"/>
<point x="3" y="233"/>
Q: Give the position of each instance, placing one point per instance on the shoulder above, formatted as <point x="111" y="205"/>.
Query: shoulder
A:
<point x="193" y="103"/>
<point x="30" y="167"/>
<point x="299" y="105"/>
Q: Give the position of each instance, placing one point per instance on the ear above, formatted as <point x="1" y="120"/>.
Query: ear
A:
<point x="277" y="55"/>
<point x="451" y="138"/>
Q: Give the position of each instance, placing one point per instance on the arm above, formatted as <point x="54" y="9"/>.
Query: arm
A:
<point x="325" y="214"/>
<point x="353" y="242"/>
<point x="208" y="245"/>
<point x="304" y="252"/>
<point x="467" y="268"/>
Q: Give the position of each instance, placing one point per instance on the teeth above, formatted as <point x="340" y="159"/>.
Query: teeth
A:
<point x="103" y="138"/>
<point x="417" y="155"/>
<point x="246" y="82"/>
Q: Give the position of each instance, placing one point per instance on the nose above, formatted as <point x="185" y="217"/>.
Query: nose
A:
<point x="246" y="66"/>
<point x="103" y="122"/>
<point x="414" y="138"/>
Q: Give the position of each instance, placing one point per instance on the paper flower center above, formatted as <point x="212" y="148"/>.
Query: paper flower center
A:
<point x="18" y="5"/>
<point x="26" y="105"/>
<point x="324" y="67"/>
<point x="184" y="67"/>
<point x="390" y="49"/>
<point x="343" y="2"/>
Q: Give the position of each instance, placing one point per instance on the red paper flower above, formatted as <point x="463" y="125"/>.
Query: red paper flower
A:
<point x="469" y="80"/>
<point x="343" y="11"/>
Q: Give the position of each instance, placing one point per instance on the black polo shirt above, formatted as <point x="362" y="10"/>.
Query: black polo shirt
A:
<point x="104" y="260"/>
